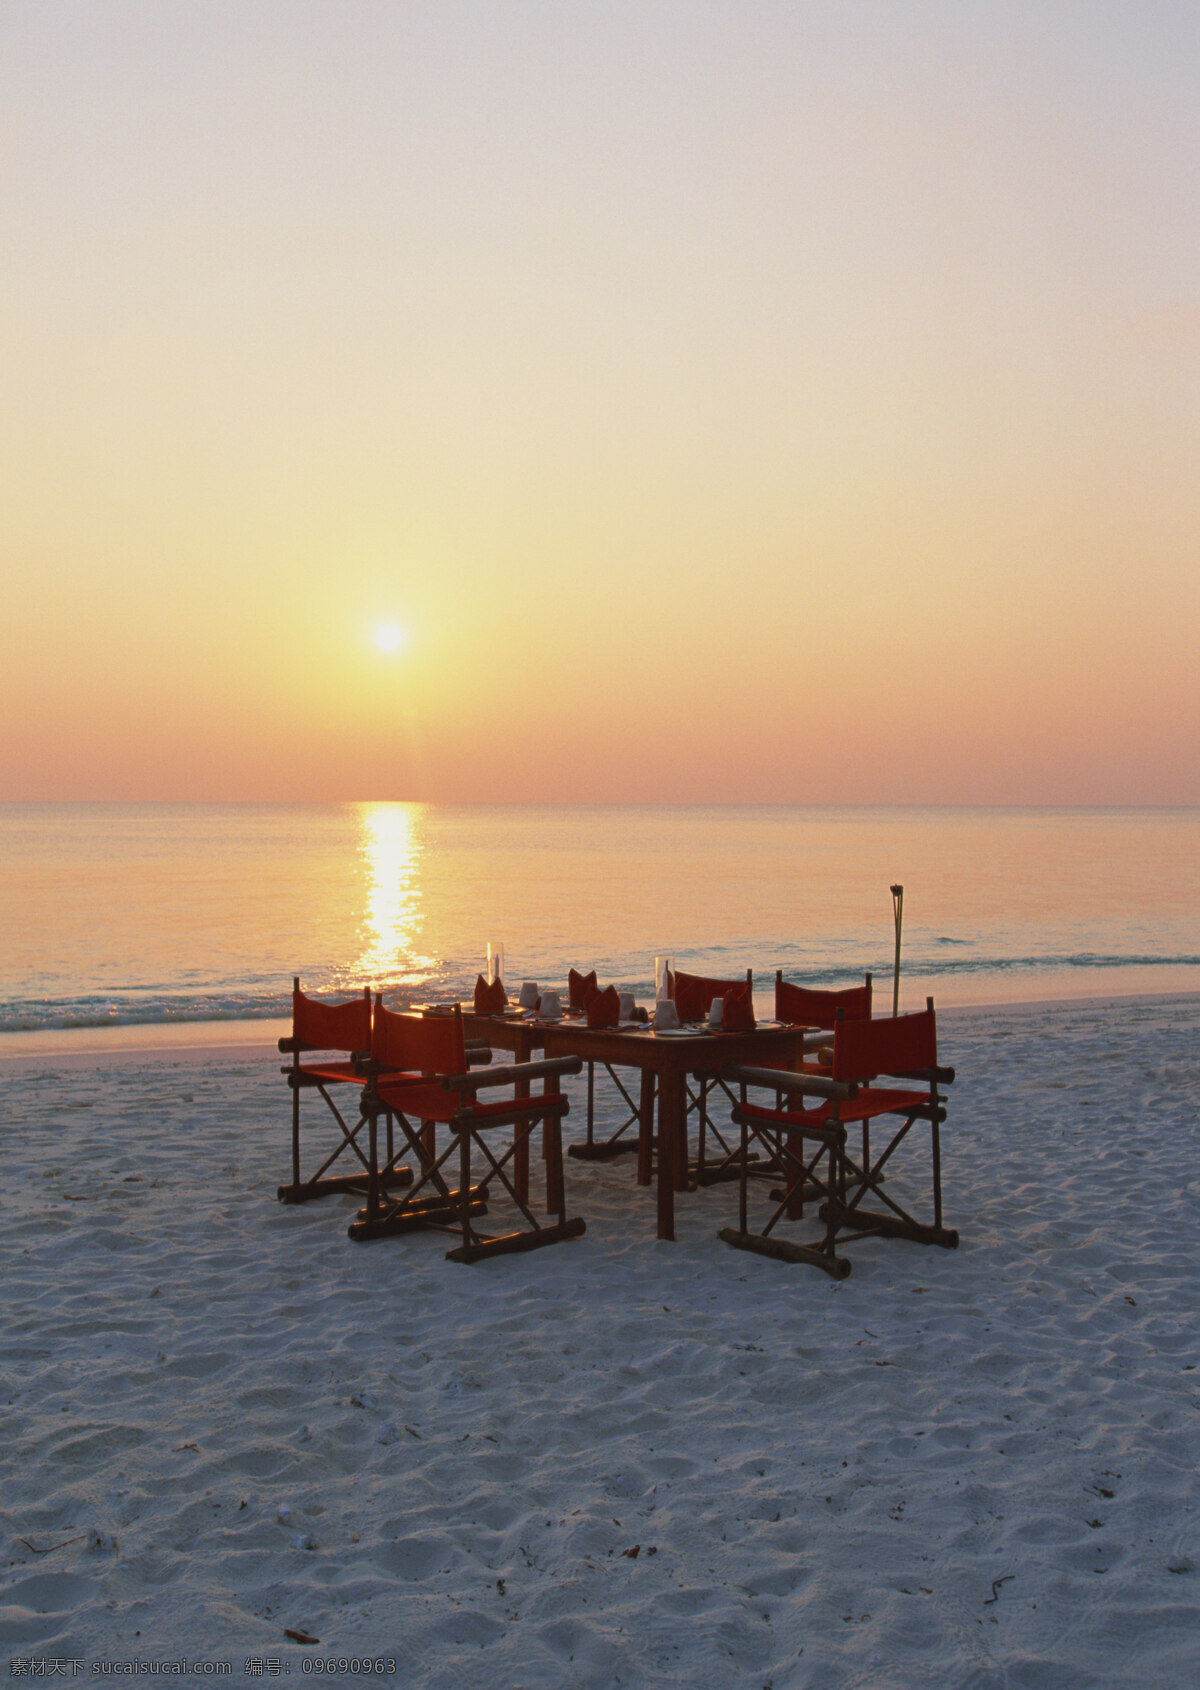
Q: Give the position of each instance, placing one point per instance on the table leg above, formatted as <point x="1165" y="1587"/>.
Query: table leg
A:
<point x="645" y="1162"/>
<point x="672" y="1117"/>
<point x="521" y="1150"/>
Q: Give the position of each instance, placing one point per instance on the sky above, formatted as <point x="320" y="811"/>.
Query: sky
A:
<point x="724" y="402"/>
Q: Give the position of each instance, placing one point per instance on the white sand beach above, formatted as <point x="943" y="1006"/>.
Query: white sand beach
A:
<point x="616" y="1461"/>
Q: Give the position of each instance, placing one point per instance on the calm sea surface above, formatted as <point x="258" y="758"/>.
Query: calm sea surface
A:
<point x="114" y="914"/>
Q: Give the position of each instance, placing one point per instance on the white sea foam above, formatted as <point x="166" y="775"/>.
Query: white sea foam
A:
<point x="979" y="976"/>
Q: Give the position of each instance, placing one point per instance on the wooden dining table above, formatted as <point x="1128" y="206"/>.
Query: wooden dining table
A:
<point x="665" y="1060"/>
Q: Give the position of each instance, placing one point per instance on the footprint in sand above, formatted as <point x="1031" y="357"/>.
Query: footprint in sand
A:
<point x="419" y="1557"/>
<point x="580" y="1642"/>
<point x="90" y="1448"/>
<point x="35" y="1608"/>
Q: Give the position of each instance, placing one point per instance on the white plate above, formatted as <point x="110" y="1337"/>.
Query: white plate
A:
<point x="680" y="1032"/>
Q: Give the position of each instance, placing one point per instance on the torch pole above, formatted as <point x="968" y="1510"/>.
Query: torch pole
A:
<point x="898" y="918"/>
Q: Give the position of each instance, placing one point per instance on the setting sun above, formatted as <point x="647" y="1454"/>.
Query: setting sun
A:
<point x="388" y="638"/>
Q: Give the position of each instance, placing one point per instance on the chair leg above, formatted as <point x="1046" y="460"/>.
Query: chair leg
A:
<point x="681" y="1139"/>
<point x="521" y="1151"/>
<point x="476" y="1248"/>
<point x="295" y="1134"/>
<point x="431" y="1202"/>
<point x="556" y="1190"/>
<point x="795" y="1193"/>
<point x="891" y="1220"/>
<point x="837" y="1160"/>
<point x="555" y="1201"/>
<point x="798" y="1172"/>
<point x="593" y="1149"/>
<point x="936" y="1151"/>
<point x="373" y="1175"/>
<point x="743" y="1175"/>
<point x="322" y="1183"/>
<point x="464" y="1188"/>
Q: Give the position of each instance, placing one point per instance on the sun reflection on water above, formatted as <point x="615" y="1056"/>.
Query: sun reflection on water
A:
<point x="391" y="848"/>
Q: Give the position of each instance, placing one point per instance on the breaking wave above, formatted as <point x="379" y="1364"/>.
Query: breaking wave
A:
<point x="28" y="1015"/>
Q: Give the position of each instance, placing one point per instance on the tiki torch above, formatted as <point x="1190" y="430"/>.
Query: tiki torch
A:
<point x="898" y="918"/>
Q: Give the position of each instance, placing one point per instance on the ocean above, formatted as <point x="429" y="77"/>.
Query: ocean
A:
<point x="118" y="915"/>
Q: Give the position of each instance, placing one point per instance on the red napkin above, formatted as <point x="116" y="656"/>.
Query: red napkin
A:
<point x="604" y="1008"/>
<point x="580" y="988"/>
<point x="489" y="1000"/>
<point x="737" y="1013"/>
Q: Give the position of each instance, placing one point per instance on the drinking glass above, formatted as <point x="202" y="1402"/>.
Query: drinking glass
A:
<point x="495" y="961"/>
<point x="662" y="978"/>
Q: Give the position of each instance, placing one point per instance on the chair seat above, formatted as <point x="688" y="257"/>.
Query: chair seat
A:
<point x="342" y="1071"/>
<point x="874" y="1101"/>
<point x="432" y="1103"/>
<point x="397" y="1080"/>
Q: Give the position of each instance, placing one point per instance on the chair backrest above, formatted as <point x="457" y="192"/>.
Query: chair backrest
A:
<point x="331" y="1026"/>
<point x="895" y="1044"/>
<point x="807" y="1007"/>
<point x="420" y="1044"/>
<point x="694" y="993"/>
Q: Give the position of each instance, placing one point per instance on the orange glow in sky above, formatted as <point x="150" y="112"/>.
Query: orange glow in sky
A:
<point x="719" y="401"/>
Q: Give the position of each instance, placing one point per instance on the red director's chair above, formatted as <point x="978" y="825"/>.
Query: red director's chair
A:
<point x="323" y="1027"/>
<point x="809" y="1145"/>
<point x="433" y="1047"/>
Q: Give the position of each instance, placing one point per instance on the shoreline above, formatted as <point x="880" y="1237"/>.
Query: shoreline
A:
<point x="250" y="1041"/>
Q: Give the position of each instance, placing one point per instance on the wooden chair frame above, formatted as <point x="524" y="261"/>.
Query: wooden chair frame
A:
<point x="728" y="1163"/>
<point x="865" y="1177"/>
<point x="783" y="1133"/>
<point x="848" y="1181"/>
<point x="452" y="1100"/>
<point x="699" y="1086"/>
<point x="319" y="1077"/>
<point x="593" y="1149"/>
<point x="760" y="1167"/>
<point x="726" y="1168"/>
<point x="617" y="1144"/>
<point x="525" y="1114"/>
<point x="384" y="1217"/>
